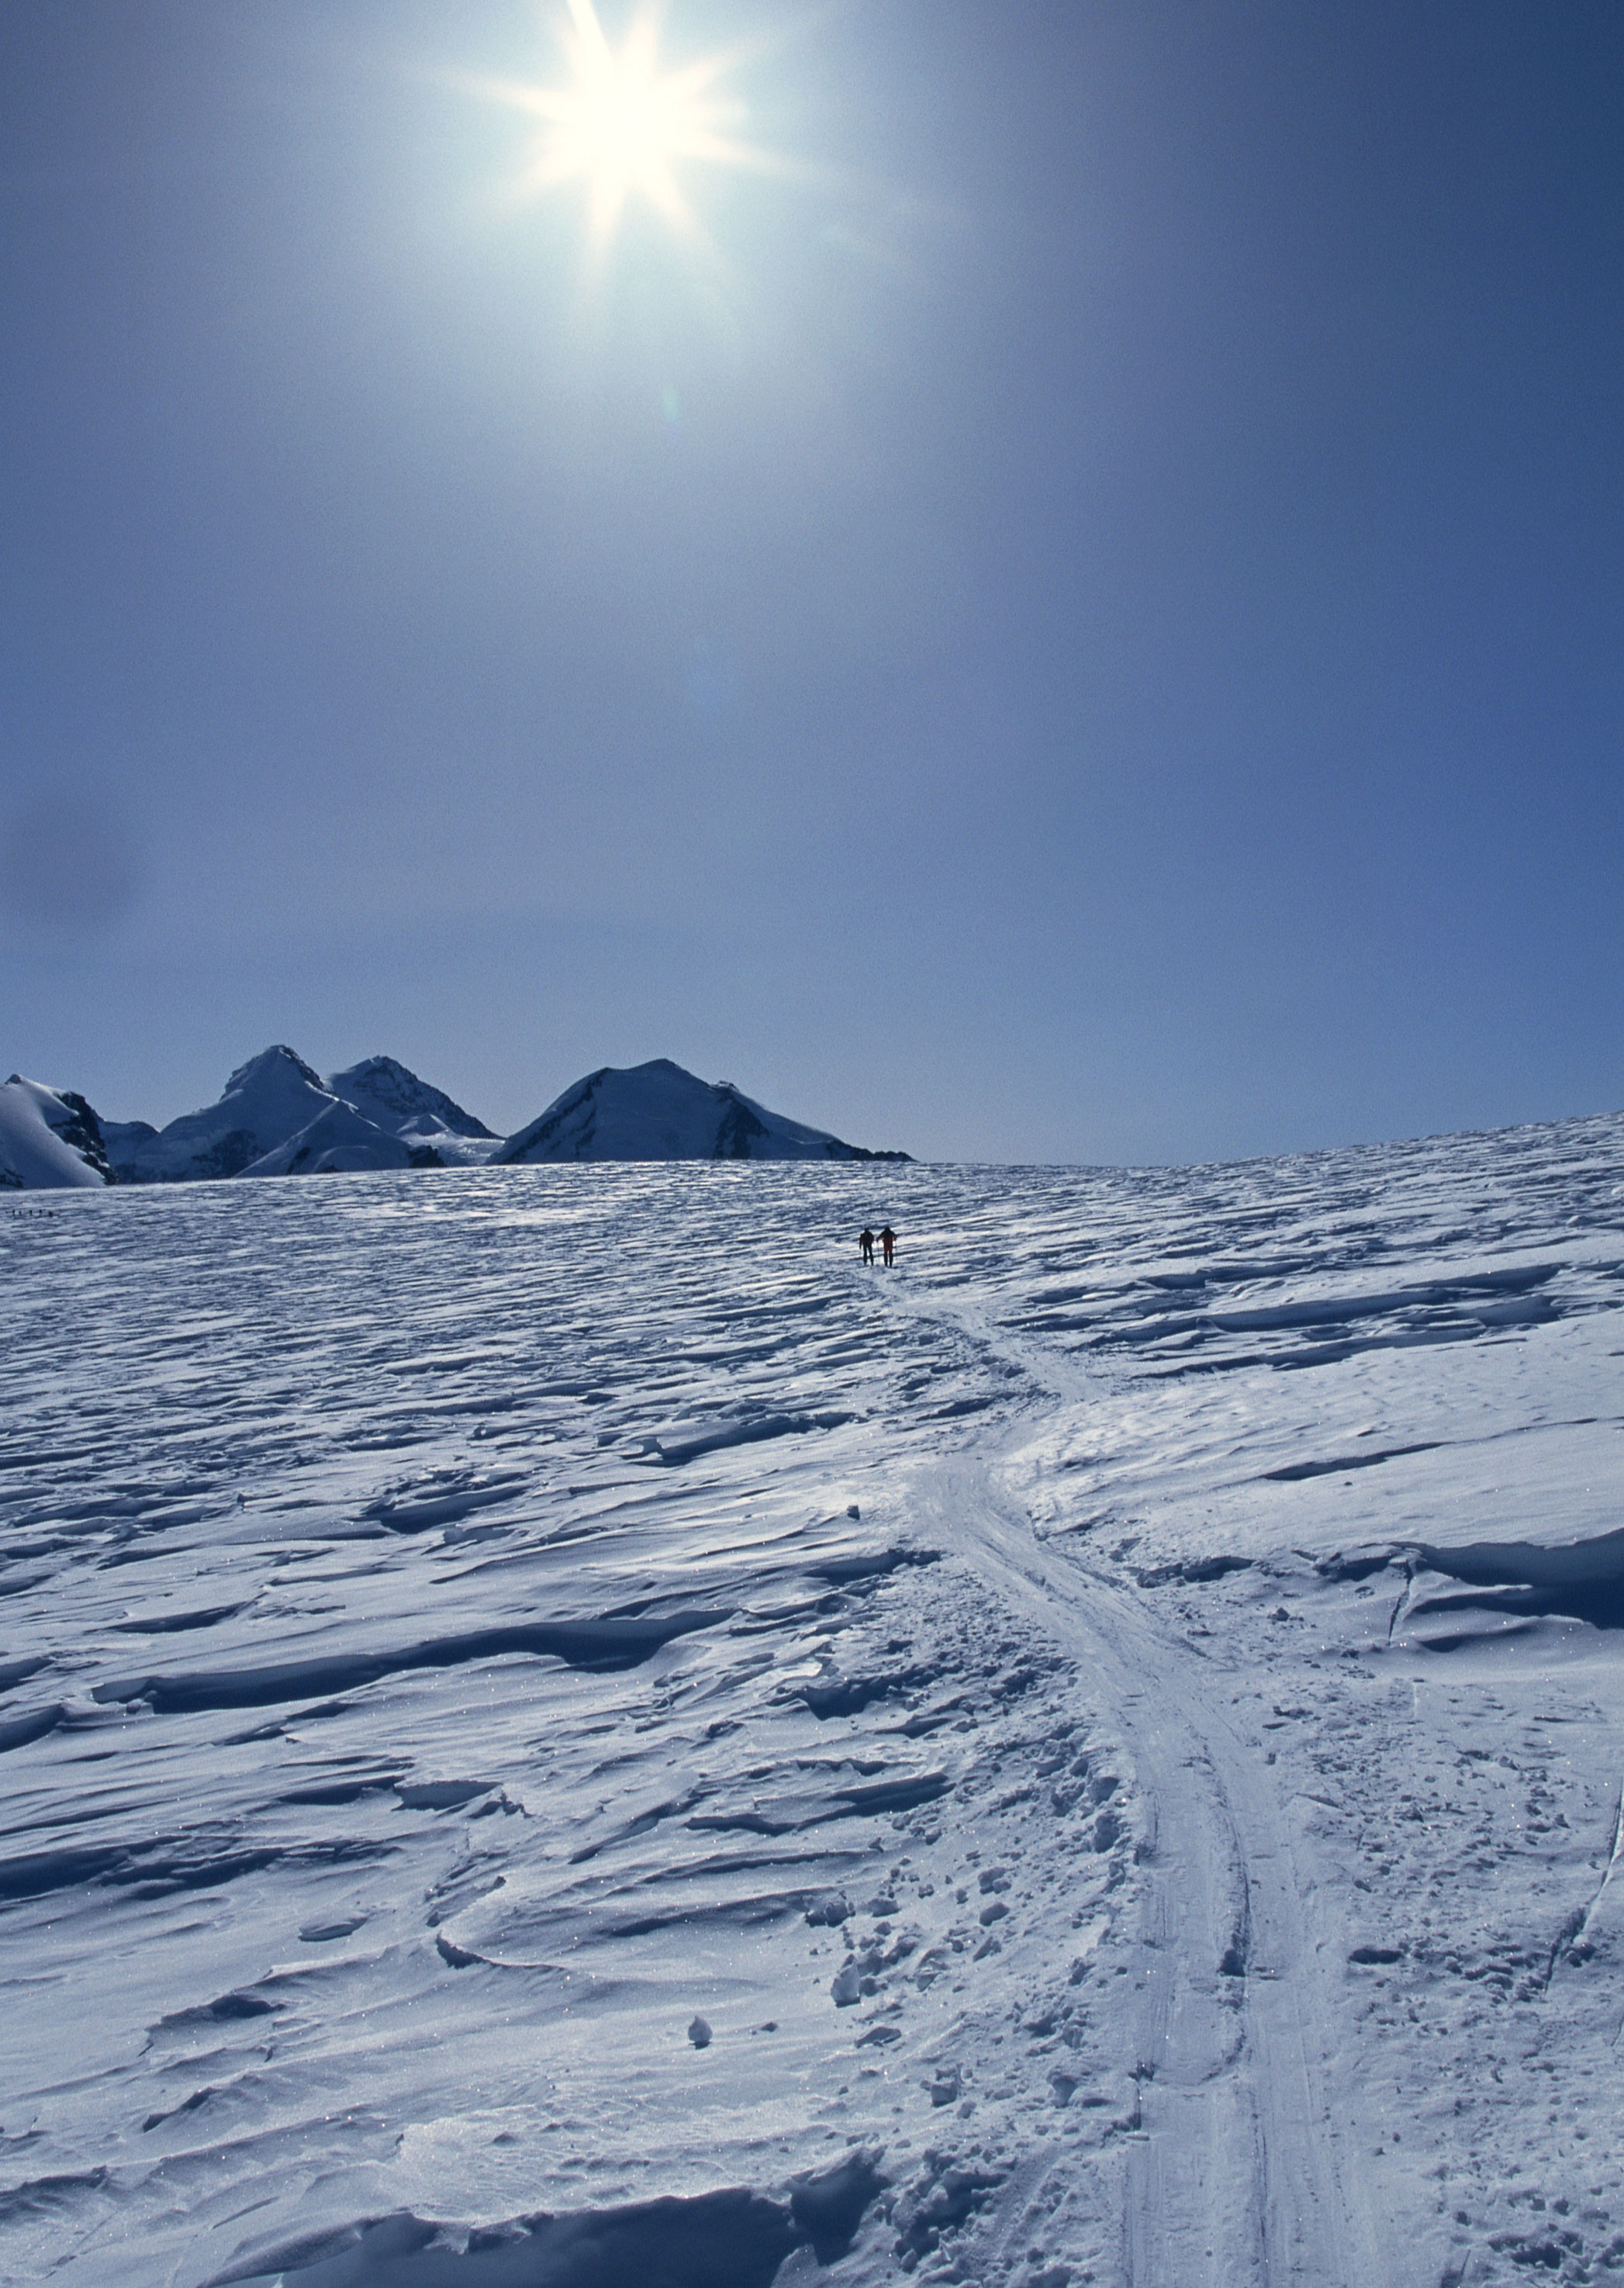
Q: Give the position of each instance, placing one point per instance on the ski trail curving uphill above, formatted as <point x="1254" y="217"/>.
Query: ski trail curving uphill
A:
<point x="1244" y="2166"/>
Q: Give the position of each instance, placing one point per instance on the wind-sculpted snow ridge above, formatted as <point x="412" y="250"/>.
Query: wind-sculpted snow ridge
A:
<point x="657" y="1111"/>
<point x="727" y="2239"/>
<point x="558" y="1729"/>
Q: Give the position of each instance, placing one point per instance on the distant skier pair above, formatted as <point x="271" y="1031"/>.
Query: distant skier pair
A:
<point x="888" y="1240"/>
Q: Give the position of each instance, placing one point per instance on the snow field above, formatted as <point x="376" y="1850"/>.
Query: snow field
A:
<point x="535" y="1693"/>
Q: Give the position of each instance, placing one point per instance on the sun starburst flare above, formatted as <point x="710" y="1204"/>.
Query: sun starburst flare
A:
<point x="626" y="129"/>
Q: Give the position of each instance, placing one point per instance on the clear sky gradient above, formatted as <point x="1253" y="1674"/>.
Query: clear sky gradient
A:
<point x="1080" y="620"/>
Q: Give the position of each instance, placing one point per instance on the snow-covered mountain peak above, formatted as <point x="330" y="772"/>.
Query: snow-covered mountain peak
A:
<point x="658" y="1111"/>
<point x="49" y="1138"/>
<point x="277" y="1116"/>
<point x="271" y="1097"/>
<point x="390" y="1093"/>
<point x="276" y="1067"/>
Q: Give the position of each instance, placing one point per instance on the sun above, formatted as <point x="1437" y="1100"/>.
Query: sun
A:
<point x="625" y="129"/>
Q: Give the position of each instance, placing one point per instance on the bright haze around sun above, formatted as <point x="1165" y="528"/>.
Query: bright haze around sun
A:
<point x="1025" y="583"/>
<point x="625" y="128"/>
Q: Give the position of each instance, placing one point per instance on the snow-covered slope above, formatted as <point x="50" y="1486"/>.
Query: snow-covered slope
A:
<point x="544" y="1744"/>
<point x="49" y="1138"/>
<point x="386" y="1092"/>
<point x="339" y="1141"/>
<point x="657" y="1111"/>
<point x="126" y="1140"/>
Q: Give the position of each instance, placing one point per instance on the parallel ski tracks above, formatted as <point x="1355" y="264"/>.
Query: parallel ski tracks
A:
<point x="1244" y="2168"/>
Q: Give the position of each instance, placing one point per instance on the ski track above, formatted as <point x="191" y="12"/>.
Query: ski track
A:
<point x="532" y="1693"/>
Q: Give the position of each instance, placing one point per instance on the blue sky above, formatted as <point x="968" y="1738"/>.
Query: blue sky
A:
<point x="1078" y="620"/>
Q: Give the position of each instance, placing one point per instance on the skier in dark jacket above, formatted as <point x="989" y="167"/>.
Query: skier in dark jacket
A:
<point x="888" y="1242"/>
<point x="865" y="1240"/>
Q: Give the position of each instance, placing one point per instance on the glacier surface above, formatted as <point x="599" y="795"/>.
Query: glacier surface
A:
<point x="560" y="1730"/>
